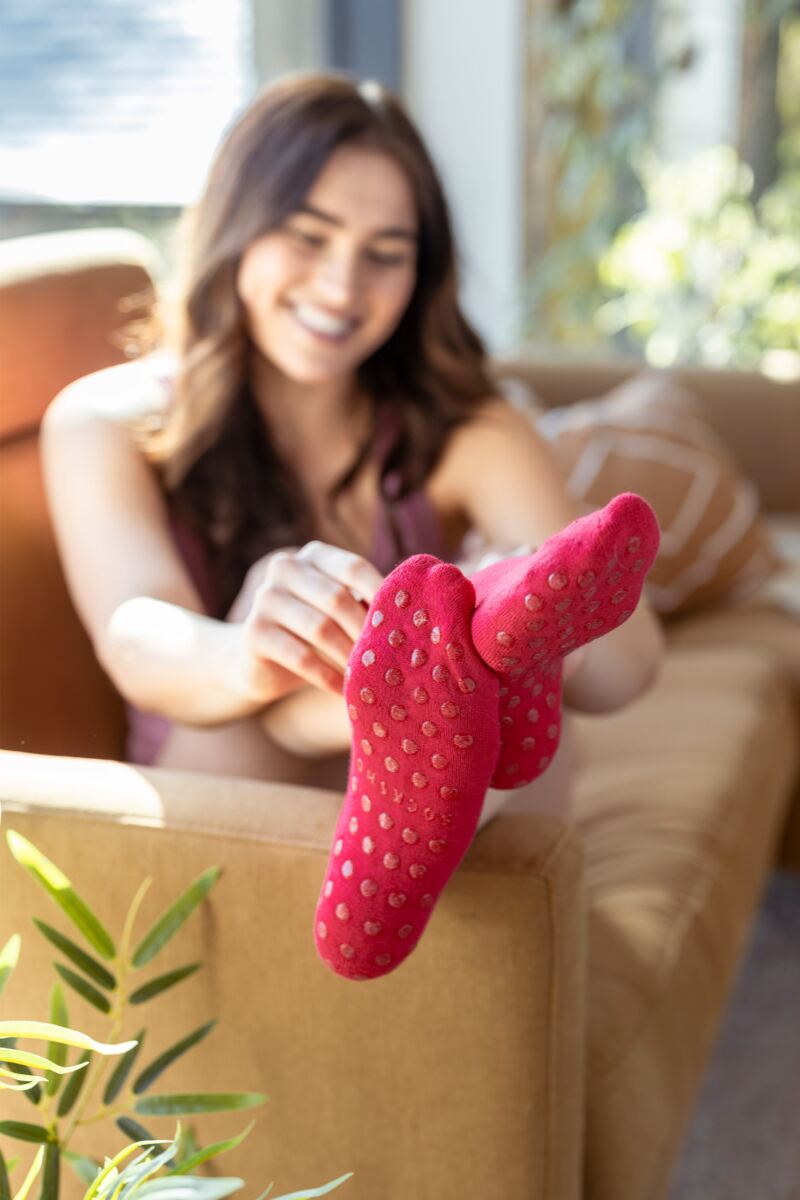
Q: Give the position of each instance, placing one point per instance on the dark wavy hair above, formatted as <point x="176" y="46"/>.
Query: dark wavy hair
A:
<point x="214" y="451"/>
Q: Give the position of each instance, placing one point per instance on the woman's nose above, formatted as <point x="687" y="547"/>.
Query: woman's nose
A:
<point x="338" y="278"/>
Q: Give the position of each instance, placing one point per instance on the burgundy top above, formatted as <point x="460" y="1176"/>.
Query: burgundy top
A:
<point x="414" y="517"/>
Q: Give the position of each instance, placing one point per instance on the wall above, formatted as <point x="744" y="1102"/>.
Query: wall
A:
<point x="462" y="81"/>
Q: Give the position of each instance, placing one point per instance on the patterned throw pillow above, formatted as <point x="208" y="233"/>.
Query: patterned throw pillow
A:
<point x="646" y="436"/>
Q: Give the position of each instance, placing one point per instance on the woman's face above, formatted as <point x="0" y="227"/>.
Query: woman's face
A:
<point x="329" y="286"/>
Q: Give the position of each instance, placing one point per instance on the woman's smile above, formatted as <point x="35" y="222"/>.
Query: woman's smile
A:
<point x="321" y="324"/>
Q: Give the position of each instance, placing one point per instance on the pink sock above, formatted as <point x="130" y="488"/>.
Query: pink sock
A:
<point x="423" y="707"/>
<point x="582" y="583"/>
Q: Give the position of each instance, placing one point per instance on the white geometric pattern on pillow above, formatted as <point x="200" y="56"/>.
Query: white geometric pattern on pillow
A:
<point x="647" y="436"/>
<point x="712" y="551"/>
<point x="703" y="474"/>
<point x="654" y="404"/>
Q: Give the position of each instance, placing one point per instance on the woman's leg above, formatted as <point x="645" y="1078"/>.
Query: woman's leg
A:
<point x="243" y="748"/>
<point x="551" y="793"/>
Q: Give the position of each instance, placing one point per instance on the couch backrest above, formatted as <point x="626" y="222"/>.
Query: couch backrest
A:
<point x="65" y="300"/>
<point x="759" y="418"/>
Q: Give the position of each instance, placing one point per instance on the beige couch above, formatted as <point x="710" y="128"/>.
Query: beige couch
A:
<point x="547" y="1039"/>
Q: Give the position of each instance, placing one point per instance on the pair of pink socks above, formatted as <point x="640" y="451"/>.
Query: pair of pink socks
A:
<point x="453" y="687"/>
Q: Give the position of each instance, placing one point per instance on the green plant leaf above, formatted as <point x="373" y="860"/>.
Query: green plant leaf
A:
<point x="160" y="984"/>
<point x="27" y="1058"/>
<point x="33" y="1094"/>
<point x="132" y="1129"/>
<point x="51" y="1173"/>
<point x="59" y="888"/>
<point x="188" y="1187"/>
<point x="23" y="1081"/>
<point x="197" y="1102"/>
<point x="160" y="1064"/>
<point x="111" y="1164"/>
<point x="85" y="1168"/>
<point x="20" y="1077"/>
<point x="169" y="924"/>
<point x="187" y="1145"/>
<point x="9" y="957"/>
<point x="90" y="966"/>
<point x="5" y="1185"/>
<point x="73" y="1086"/>
<point x="309" y="1193"/>
<point x="30" y="1178"/>
<point x="84" y="988"/>
<point x="135" y="1173"/>
<point x="123" y="1070"/>
<point x="56" y="1051"/>
<point x="106" y="1189"/>
<point x="23" y="1131"/>
<point x="207" y="1152"/>
<point x="54" y="1033"/>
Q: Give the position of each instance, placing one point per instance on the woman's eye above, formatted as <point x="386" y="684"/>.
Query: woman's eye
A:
<point x="306" y="239"/>
<point x="386" y="260"/>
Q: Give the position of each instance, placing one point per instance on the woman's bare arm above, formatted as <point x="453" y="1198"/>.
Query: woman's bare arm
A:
<point x="129" y="585"/>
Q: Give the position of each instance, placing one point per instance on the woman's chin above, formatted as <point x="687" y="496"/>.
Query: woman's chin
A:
<point x="305" y="371"/>
<point x="315" y="370"/>
<point x="311" y="376"/>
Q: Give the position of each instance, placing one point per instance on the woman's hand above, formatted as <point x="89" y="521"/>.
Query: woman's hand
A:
<point x="306" y="609"/>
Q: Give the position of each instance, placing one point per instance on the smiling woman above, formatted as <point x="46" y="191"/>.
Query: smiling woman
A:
<point x="329" y="286"/>
<point x="316" y="367"/>
<point x="319" y="417"/>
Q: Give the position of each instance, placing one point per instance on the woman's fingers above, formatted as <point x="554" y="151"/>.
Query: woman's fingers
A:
<point x="309" y="611"/>
<point x="326" y="578"/>
<point x="279" y="646"/>
<point x="351" y="570"/>
<point x="311" y="624"/>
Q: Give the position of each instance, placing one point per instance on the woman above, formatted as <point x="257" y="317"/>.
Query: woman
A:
<point x="226" y="510"/>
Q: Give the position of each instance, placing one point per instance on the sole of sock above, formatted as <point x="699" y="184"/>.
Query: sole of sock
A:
<point x="424" y="712"/>
<point x="532" y="611"/>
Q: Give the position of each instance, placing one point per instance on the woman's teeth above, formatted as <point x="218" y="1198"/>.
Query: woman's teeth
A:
<point x="319" y="321"/>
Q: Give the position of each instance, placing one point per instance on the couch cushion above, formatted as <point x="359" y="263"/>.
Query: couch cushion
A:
<point x="771" y="629"/>
<point x="680" y="799"/>
<point x="647" y="436"/>
<point x="762" y="626"/>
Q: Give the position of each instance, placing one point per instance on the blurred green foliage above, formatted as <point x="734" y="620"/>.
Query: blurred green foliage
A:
<point x="703" y="275"/>
<point x="596" y="118"/>
<point x="673" y="261"/>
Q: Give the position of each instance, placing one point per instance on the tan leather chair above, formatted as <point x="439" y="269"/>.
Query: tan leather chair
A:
<point x="65" y="301"/>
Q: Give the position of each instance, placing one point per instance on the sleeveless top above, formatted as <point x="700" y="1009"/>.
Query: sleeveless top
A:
<point x="413" y="517"/>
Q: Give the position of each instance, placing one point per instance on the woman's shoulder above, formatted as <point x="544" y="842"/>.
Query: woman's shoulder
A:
<point x="499" y="439"/>
<point x="129" y="395"/>
<point x="495" y="428"/>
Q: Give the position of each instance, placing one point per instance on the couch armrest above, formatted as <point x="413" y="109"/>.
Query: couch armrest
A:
<point x="459" y="1074"/>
